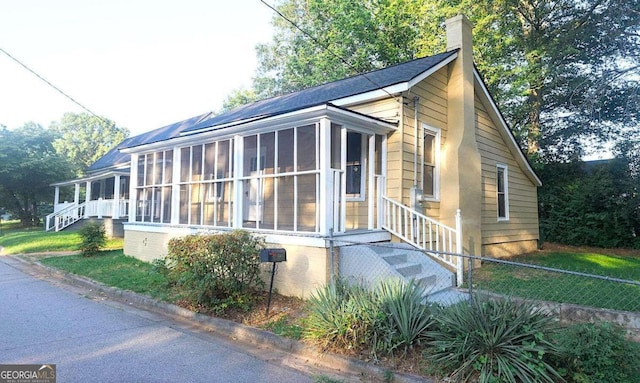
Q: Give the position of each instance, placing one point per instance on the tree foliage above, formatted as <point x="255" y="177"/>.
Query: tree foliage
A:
<point x="28" y="165"/>
<point x="594" y="203"/>
<point x="83" y="138"/>
<point x="563" y="72"/>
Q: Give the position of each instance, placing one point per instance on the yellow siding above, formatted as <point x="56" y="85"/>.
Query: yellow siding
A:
<point x="522" y="225"/>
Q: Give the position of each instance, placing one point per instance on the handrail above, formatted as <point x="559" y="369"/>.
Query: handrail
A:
<point x="65" y="217"/>
<point x="439" y="240"/>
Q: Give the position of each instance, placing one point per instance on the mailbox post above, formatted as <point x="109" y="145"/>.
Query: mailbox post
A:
<point x="274" y="256"/>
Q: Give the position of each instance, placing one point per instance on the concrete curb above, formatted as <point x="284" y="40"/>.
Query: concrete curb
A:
<point x="235" y="331"/>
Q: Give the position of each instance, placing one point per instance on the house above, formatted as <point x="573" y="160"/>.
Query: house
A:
<point x="417" y="152"/>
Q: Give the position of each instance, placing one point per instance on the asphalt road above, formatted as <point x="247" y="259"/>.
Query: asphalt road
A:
<point x="96" y="340"/>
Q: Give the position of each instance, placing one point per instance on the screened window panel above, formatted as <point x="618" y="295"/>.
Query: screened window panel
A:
<point x="306" y="147"/>
<point x="210" y="161"/>
<point x="250" y="155"/>
<point x="285" y="151"/>
<point x="336" y="146"/>
<point x="307" y="192"/>
<point x="196" y="163"/>
<point x="168" y="167"/>
<point x="267" y="152"/>
<point x="224" y="160"/>
<point x="149" y="169"/>
<point x="158" y="167"/>
<point x="185" y="164"/>
<point x="285" y="202"/>
<point x="141" y="161"/>
<point x="166" y="204"/>
<point x="196" y="204"/>
<point x="184" y="204"/>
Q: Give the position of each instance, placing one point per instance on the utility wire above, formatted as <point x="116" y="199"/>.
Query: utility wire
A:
<point x="53" y="86"/>
<point x="326" y="48"/>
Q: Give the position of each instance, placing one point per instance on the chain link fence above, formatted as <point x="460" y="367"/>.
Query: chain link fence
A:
<point x="593" y="284"/>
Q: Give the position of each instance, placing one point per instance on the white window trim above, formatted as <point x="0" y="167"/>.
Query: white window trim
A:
<point x="436" y="172"/>
<point x="505" y="172"/>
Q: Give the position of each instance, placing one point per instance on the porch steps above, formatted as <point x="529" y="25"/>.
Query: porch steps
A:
<point x="374" y="262"/>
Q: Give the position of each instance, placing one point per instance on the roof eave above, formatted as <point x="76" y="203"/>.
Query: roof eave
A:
<point x="505" y="132"/>
<point x="253" y="125"/>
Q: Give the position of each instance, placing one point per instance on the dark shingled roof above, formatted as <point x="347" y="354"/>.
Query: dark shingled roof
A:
<point x="114" y="157"/>
<point x="325" y="93"/>
<point x="318" y="95"/>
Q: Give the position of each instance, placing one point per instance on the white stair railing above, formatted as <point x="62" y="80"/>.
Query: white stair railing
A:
<point x="65" y="217"/>
<point x="440" y="241"/>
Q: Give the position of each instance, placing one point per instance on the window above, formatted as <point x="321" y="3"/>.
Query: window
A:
<point x="154" y="187"/>
<point x="502" y="192"/>
<point x="430" y="162"/>
<point x="355" y="171"/>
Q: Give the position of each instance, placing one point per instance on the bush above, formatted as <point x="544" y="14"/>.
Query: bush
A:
<point x="343" y="317"/>
<point x="356" y="318"/>
<point x="598" y="353"/>
<point x="93" y="238"/>
<point x="218" y="271"/>
<point x="407" y="317"/>
<point x="493" y="341"/>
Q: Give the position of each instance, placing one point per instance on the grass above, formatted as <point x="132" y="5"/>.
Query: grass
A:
<point x="558" y="287"/>
<point x="16" y="240"/>
<point x="283" y="327"/>
<point x="113" y="268"/>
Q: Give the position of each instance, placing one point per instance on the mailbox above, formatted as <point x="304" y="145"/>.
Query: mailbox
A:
<point x="273" y="255"/>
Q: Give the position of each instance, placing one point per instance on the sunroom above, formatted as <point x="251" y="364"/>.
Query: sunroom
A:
<point x="307" y="172"/>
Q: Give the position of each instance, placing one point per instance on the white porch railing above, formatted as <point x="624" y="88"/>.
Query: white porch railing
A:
<point x="64" y="217"/>
<point x="67" y="216"/>
<point x="425" y="233"/>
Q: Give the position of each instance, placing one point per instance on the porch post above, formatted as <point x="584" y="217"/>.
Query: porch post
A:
<point x="87" y="198"/>
<point x="76" y="194"/>
<point x="238" y="198"/>
<point x="175" y="186"/>
<point x="325" y="202"/>
<point x="56" y="197"/>
<point x="371" y="193"/>
<point x="133" y="181"/>
<point x="116" y="197"/>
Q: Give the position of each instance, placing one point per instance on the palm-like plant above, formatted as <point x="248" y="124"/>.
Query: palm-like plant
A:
<point x="493" y="340"/>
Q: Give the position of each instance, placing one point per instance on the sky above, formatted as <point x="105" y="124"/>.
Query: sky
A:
<point x="143" y="64"/>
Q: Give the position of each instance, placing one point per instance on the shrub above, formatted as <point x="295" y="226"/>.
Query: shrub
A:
<point x="353" y="317"/>
<point x="343" y="317"/>
<point x="217" y="271"/>
<point x="493" y="341"/>
<point x="598" y="353"/>
<point x="407" y="317"/>
<point x="93" y="238"/>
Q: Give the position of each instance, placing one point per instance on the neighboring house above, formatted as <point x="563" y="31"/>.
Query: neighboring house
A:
<point x="391" y="155"/>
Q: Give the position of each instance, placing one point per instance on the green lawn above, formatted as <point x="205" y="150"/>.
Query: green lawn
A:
<point x="16" y="240"/>
<point x="558" y="287"/>
<point x="113" y="268"/>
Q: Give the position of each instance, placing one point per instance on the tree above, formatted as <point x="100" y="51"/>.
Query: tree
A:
<point x="595" y="203"/>
<point x="83" y="138"/>
<point x="238" y="97"/>
<point x="28" y="165"/>
<point x="562" y="71"/>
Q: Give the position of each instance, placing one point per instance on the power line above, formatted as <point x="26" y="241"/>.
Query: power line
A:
<point x="326" y="48"/>
<point x="53" y="86"/>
